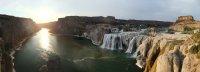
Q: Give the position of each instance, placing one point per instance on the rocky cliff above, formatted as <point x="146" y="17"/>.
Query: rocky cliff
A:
<point x="94" y="28"/>
<point x="158" y="51"/>
<point x="185" y="23"/>
<point x="155" y="49"/>
<point x="13" y="30"/>
<point x="162" y="52"/>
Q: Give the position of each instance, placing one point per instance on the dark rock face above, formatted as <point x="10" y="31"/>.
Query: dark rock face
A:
<point x="77" y="25"/>
<point x="144" y="23"/>
<point x="96" y="32"/>
<point x="13" y="30"/>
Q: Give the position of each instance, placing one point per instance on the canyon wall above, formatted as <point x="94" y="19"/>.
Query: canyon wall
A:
<point x="149" y="42"/>
<point x="13" y="30"/>
<point x="94" y="28"/>
<point x="160" y="52"/>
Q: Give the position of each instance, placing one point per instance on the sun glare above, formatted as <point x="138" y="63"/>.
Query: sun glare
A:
<point x="44" y="39"/>
<point x="43" y="15"/>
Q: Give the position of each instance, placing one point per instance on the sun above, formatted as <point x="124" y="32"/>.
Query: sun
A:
<point x="43" y="16"/>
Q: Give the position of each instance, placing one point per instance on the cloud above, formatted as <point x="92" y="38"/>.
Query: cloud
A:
<point x="167" y="10"/>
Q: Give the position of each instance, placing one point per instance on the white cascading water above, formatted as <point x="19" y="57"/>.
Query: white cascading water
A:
<point x="111" y="42"/>
<point x="131" y="45"/>
<point x="138" y="42"/>
<point x="115" y="41"/>
<point x="135" y="54"/>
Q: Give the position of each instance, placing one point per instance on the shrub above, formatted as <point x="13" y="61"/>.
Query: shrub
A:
<point x="194" y="49"/>
<point x="196" y="37"/>
<point x="188" y="30"/>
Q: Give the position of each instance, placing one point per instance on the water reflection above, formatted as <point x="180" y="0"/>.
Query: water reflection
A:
<point x="45" y="46"/>
<point x="44" y="39"/>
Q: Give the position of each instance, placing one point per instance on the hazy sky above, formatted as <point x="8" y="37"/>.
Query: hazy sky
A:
<point x="48" y="10"/>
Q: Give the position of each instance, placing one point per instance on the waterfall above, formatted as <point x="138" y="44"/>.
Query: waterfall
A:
<point x="116" y="41"/>
<point x="120" y="43"/>
<point x="106" y="41"/>
<point x="135" y="41"/>
<point x="113" y="36"/>
<point x="136" y="53"/>
<point x="112" y="42"/>
<point x="131" y="45"/>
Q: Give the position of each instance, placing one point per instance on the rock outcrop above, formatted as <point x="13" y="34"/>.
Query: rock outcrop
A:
<point x="185" y="19"/>
<point x="170" y="53"/>
<point x="185" y="23"/>
<point x="162" y="52"/>
<point x="75" y="25"/>
<point x="13" y="30"/>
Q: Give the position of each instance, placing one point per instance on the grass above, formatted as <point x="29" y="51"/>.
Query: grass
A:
<point x="196" y="37"/>
<point x="195" y="49"/>
<point x="188" y="30"/>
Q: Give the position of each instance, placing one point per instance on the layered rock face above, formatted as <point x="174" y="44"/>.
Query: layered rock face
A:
<point x="76" y="25"/>
<point x="185" y="19"/>
<point x="94" y="28"/>
<point x="96" y="32"/>
<point x="184" y="23"/>
<point x="13" y="30"/>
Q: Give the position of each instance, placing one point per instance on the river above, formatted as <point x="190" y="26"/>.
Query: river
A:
<point x="55" y="53"/>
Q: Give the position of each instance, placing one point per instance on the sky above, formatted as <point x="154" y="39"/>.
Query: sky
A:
<point x="42" y="11"/>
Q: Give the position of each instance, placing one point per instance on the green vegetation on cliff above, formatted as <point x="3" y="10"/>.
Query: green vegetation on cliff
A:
<point x="195" y="49"/>
<point x="188" y="30"/>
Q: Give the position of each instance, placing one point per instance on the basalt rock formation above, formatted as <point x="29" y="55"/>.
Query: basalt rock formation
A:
<point x="13" y="30"/>
<point x="94" y="28"/>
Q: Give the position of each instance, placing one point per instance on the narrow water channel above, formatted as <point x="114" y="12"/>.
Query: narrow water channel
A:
<point x="48" y="52"/>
